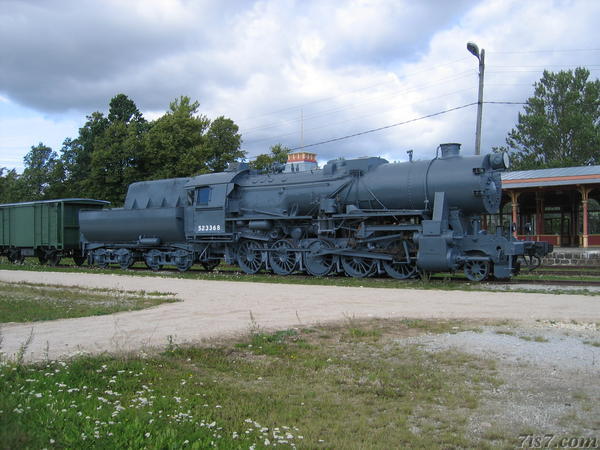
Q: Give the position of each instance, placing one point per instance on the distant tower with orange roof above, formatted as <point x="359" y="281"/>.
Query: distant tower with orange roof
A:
<point x="301" y="162"/>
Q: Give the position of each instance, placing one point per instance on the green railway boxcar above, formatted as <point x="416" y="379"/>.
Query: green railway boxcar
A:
<point x="48" y="230"/>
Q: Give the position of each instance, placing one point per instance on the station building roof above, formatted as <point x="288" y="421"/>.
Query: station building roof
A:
<point x="562" y="176"/>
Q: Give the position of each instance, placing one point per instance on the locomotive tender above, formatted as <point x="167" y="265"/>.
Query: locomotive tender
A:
<point x="362" y="216"/>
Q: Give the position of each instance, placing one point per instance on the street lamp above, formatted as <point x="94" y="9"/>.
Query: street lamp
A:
<point x="480" y="55"/>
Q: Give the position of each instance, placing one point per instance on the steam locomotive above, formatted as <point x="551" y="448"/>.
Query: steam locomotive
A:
<point x="362" y="216"/>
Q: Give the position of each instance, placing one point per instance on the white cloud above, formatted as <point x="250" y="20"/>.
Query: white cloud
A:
<point x="21" y="128"/>
<point x="345" y="67"/>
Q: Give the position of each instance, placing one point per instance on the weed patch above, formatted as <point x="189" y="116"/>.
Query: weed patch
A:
<point x="289" y="388"/>
<point x="21" y="302"/>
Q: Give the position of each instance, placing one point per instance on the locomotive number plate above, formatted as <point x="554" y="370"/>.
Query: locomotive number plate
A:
<point x="209" y="228"/>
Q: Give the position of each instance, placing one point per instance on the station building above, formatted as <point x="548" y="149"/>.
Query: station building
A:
<point x="560" y="206"/>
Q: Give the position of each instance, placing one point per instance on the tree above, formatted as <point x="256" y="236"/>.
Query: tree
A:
<point x="76" y="156"/>
<point x="42" y="175"/>
<point x="183" y="143"/>
<point x="560" y="125"/>
<point x="114" y="163"/>
<point x="10" y="189"/>
<point x="117" y="152"/>
<point x="123" y="109"/>
<point x="222" y="144"/>
<point x="174" y="142"/>
<point x="265" y="161"/>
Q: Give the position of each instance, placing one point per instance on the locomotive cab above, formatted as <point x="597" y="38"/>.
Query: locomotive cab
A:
<point x="209" y="195"/>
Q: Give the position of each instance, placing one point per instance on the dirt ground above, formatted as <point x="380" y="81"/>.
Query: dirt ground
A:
<point x="548" y="373"/>
<point x="218" y="308"/>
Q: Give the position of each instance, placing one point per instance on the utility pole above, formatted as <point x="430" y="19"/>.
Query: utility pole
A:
<point x="480" y="55"/>
<point x="301" y="128"/>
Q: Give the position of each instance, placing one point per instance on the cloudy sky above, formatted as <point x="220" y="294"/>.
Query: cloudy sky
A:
<point x="290" y="72"/>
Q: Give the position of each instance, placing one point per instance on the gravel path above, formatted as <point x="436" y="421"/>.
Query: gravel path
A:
<point x="549" y="374"/>
<point x="217" y="308"/>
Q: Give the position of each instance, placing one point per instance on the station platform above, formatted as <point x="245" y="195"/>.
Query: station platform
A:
<point x="573" y="256"/>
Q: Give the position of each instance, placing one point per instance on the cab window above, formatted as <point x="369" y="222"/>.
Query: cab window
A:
<point x="203" y="196"/>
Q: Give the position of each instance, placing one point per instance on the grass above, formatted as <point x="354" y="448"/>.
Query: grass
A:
<point x="352" y="385"/>
<point x="230" y="273"/>
<point x="21" y="302"/>
<point x="592" y="343"/>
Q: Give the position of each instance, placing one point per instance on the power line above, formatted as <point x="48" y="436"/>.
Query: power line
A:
<point x="340" y="108"/>
<point x="324" y="99"/>
<point x="590" y="68"/>
<point x="385" y="127"/>
<point x="543" y="66"/>
<point x="505" y="103"/>
<point x="412" y="74"/>
<point x="550" y="51"/>
<point x="331" y="124"/>
<point x="376" y="98"/>
<point x="403" y="123"/>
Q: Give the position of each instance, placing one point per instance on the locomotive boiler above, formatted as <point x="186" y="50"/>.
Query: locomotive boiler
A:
<point x="362" y="216"/>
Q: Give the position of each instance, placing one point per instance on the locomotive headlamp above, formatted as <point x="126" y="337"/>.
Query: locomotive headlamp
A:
<point x="499" y="161"/>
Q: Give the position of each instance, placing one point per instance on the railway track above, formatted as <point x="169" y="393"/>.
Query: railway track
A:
<point x="437" y="278"/>
<point x="590" y="283"/>
<point x="226" y="271"/>
<point x="523" y="281"/>
<point x="567" y="273"/>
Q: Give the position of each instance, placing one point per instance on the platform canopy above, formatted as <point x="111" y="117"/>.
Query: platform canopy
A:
<point x="560" y="205"/>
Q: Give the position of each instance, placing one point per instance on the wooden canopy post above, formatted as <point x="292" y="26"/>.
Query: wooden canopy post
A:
<point x="514" y="198"/>
<point x="585" y="197"/>
<point x="539" y="213"/>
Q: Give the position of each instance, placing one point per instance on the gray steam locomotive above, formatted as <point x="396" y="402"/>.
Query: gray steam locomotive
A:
<point x="362" y="216"/>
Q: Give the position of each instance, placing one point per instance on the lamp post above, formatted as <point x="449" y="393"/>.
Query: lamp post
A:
<point x="480" y="55"/>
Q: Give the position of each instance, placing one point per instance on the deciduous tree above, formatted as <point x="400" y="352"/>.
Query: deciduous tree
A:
<point x="10" y="189"/>
<point x="222" y="144"/>
<point x="117" y="152"/>
<point x="560" y="125"/>
<point x="277" y="155"/>
<point x="174" y="142"/>
<point x="43" y="174"/>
